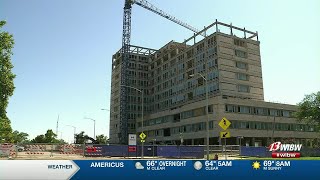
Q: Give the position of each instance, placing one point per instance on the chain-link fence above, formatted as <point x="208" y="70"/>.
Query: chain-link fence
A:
<point x="80" y="151"/>
<point x="8" y="150"/>
<point x="83" y="151"/>
<point x="40" y="151"/>
<point x="226" y="150"/>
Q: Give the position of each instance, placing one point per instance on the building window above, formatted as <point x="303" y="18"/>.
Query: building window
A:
<point x="186" y="114"/>
<point x="239" y="42"/>
<point x="230" y="108"/>
<point x="175" y="130"/>
<point x="190" y="53"/>
<point x="273" y="112"/>
<point x="190" y="64"/>
<point x="176" y="117"/>
<point x="241" y="65"/>
<point x="243" y="125"/>
<point x="244" y="109"/>
<point x="211" y="125"/>
<point x="242" y="76"/>
<point x="243" y="88"/>
<point x="188" y="128"/>
<point x="240" y="53"/>
<point x="285" y="113"/>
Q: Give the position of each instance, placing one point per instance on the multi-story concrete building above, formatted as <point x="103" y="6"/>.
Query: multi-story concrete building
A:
<point x="175" y="79"/>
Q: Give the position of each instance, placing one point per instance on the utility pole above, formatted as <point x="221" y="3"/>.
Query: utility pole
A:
<point x="74" y="133"/>
<point x="57" y="126"/>
<point x="94" y="127"/>
<point x="207" y="107"/>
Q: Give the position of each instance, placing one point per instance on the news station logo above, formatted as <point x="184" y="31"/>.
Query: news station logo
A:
<point x="280" y="150"/>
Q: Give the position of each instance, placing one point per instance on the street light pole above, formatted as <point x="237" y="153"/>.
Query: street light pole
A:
<point x="94" y="127"/>
<point x="207" y="111"/>
<point x="273" y="127"/>
<point x="141" y="91"/>
<point x="74" y="133"/>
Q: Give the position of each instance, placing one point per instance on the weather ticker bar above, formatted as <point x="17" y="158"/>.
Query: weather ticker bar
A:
<point x="156" y="168"/>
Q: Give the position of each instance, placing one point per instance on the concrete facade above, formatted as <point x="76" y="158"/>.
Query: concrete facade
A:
<point x="175" y="101"/>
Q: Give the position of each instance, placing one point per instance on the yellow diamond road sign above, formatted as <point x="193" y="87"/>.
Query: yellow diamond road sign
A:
<point x="142" y="136"/>
<point x="225" y="134"/>
<point x="224" y="123"/>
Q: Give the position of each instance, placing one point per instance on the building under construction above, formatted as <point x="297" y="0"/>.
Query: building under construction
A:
<point x="173" y="81"/>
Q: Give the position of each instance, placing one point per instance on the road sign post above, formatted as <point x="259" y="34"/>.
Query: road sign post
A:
<point x="224" y="124"/>
<point x="132" y="144"/>
<point x="142" y="137"/>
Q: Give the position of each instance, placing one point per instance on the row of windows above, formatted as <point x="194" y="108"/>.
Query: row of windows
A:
<point x="138" y="57"/>
<point x="228" y="108"/>
<point x="176" y="130"/>
<point x="271" y="126"/>
<point x="257" y="110"/>
<point x="240" y="53"/>
<point x="138" y="66"/>
<point x="177" y="96"/>
<point x="177" y="117"/>
<point x="179" y="68"/>
<point x="201" y="126"/>
<point x="138" y="74"/>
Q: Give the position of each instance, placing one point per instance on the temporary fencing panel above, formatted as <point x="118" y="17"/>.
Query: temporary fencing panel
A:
<point x="67" y="149"/>
<point x="79" y="149"/>
<point x="7" y="150"/>
<point x="311" y="152"/>
<point x="149" y="150"/>
<point x="255" y="151"/>
<point x="93" y="150"/>
<point x="181" y="151"/>
<point x="115" y="150"/>
<point x="35" y="149"/>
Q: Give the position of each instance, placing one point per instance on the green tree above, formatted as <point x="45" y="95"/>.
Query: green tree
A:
<point x="6" y="82"/>
<point x="101" y="139"/>
<point x="81" y="138"/>
<point x="61" y="141"/>
<point x="39" y="139"/>
<point x="50" y="137"/>
<point x="20" y="137"/>
<point x="309" y="109"/>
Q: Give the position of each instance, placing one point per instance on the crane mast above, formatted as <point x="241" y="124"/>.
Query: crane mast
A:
<point x="124" y="73"/>
<point x="125" y="56"/>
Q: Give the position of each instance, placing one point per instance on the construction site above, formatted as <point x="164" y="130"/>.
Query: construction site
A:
<point x="191" y="99"/>
<point x="177" y="94"/>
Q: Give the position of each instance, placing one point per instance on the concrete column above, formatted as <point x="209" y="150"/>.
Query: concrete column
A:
<point x="204" y="141"/>
<point x="192" y="141"/>
<point x="252" y="141"/>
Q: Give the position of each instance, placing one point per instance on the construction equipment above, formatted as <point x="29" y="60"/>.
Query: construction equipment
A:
<point x="125" y="56"/>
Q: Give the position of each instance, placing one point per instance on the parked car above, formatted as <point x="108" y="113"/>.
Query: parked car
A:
<point x="19" y="148"/>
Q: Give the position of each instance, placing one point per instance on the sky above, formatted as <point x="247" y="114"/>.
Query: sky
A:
<point x="63" y="49"/>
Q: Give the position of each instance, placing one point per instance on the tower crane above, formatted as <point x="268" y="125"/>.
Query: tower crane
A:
<point x="125" y="54"/>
